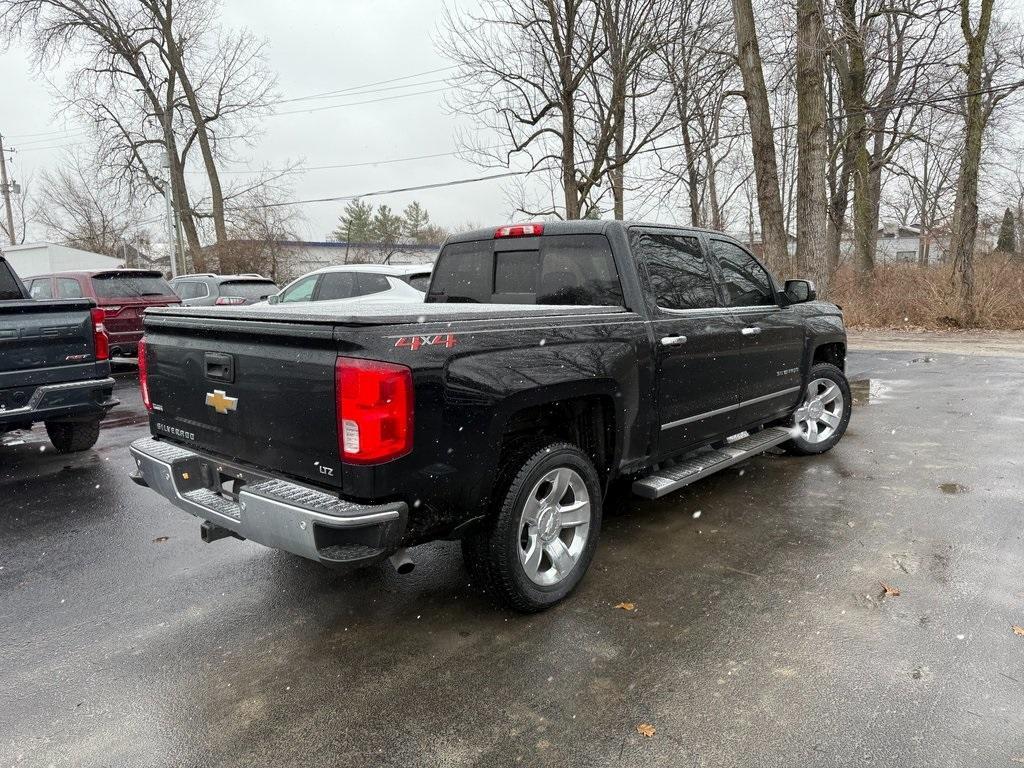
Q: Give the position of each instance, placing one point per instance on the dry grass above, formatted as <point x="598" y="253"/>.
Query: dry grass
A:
<point x="906" y="296"/>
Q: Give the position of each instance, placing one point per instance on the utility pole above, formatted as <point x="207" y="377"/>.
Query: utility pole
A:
<point x="5" y="185"/>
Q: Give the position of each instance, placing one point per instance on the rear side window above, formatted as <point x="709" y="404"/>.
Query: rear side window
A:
<point x="120" y="286"/>
<point x="745" y="281"/>
<point x="336" y="285"/>
<point x="679" y="275"/>
<point x="9" y="288"/>
<point x="369" y="283"/>
<point x="564" y="270"/>
<point x="189" y="289"/>
<point x="68" y="288"/>
<point x="41" y="288"/>
<point x="248" y="289"/>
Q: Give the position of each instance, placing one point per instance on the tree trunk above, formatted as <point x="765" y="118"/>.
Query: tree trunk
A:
<point x="177" y="64"/>
<point x="619" y="172"/>
<point x="766" y="171"/>
<point x="965" y="211"/>
<point x="811" y="203"/>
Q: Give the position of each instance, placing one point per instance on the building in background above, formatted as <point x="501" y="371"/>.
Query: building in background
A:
<point x="43" y="258"/>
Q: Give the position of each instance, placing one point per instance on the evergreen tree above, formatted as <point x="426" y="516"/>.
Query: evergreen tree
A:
<point x="387" y="229"/>
<point x="416" y="221"/>
<point x="1007" y="242"/>
<point x="356" y="223"/>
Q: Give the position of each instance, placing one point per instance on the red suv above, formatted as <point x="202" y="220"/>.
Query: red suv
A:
<point x="122" y="294"/>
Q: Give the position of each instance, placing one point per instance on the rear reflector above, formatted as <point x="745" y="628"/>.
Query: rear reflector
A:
<point x="519" y="230"/>
<point x="144" y="375"/>
<point x="100" y="340"/>
<point x="374" y="402"/>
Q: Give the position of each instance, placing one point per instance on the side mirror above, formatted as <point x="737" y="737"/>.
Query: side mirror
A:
<point x="799" y="291"/>
<point x="274" y="299"/>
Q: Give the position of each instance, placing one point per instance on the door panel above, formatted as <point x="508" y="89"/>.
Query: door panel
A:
<point x="697" y="393"/>
<point x="771" y="338"/>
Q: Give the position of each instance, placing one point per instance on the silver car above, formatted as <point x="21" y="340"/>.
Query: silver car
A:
<point x="207" y="290"/>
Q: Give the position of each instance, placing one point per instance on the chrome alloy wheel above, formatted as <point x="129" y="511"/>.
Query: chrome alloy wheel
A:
<point x="821" y="413"/>
<point x="554" y="525"/>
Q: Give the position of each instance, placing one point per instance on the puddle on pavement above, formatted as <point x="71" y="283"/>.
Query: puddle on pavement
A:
<point x="953" y="488"/>
<point x="869" y="391"/>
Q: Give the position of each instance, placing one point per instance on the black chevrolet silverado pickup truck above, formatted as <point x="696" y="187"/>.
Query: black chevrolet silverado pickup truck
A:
<point x="54" y="365"/>
<point x="547" y="361"/>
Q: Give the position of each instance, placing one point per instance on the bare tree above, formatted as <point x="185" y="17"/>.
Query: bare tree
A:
<point x="812" y="258"/>
<point x="762" y="136"/>
<point x="258" y="226"/>
<point x="965" y="210"/>
<point x="75" y="208"/>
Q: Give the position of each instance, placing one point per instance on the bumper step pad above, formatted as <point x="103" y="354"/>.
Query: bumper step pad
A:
<point x="700" y="465"/>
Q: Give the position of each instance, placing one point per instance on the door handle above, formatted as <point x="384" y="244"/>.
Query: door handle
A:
<point x="669" y="341"/>
<point x="750" y="330"/>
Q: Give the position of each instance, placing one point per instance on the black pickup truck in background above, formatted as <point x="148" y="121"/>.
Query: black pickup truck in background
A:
<point x="54" y="365"/>
<point x="548" y="361"/>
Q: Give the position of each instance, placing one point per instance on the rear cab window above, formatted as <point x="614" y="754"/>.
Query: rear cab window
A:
<point x="551" y="269"/>
<point x="121" y="286"/>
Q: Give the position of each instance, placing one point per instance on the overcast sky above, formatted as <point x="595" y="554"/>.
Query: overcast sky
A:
<point x="315" y="46"/>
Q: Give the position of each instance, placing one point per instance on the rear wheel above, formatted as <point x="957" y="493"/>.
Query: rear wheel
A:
<point x="73" y="436"/>
<point x="821" y="419"/>
<point x="540" y="542"/>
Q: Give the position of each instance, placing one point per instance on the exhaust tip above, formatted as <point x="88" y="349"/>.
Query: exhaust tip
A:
<point x="401" y="561"/>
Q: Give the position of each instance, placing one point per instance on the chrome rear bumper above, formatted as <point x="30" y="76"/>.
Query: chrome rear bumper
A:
<point x="268" y="510"/>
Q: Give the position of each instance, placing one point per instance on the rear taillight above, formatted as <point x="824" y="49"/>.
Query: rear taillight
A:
<point x="231" y="300"/>
<point x="100" y="340"/>
<point x="144" y="376"/>
<point x="374" y="402"/>
<point x="519" y="230"/>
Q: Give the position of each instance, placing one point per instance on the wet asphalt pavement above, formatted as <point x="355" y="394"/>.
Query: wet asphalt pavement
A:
<point x="761" y="634"/>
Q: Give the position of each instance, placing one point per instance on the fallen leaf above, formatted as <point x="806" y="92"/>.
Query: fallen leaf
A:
<point x="627" y="606"/>
<point x="890" y="591"/>
<point x="646" y="729"/>
<point x="161" y="539"/>
<point x="1018" y="630"/>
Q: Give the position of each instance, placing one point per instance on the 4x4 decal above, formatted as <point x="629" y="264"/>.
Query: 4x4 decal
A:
<point x="415" y="342"/>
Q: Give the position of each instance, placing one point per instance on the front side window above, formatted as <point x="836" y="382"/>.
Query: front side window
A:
<point x="302" y="290"/>
<point x="679" y="274"/>
<point x="745" y="281"/>
<point x="68" y="288"/>
<point x="41" y="289"/>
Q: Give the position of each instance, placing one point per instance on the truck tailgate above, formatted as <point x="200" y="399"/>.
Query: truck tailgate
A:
<point x="45" y="342"/>
<point x="261" y="393"/>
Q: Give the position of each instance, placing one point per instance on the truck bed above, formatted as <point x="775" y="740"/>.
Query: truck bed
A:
<point x="383" y="313"/>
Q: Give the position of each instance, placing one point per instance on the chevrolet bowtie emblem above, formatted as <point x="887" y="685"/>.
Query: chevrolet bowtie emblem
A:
<point x="220" y="402"/>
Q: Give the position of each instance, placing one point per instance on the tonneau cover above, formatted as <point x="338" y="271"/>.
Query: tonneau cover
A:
<point x="382" y="313"/>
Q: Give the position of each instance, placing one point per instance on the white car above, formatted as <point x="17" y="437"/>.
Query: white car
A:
<point x="359" y="282"/>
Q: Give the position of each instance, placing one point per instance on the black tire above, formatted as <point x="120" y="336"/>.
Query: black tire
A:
<point x="73" y="436"/>
<point x="800" y="445"/>
<point x="492" y="552"/>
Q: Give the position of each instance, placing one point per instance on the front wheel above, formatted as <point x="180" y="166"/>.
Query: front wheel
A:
<point x="540" y="542"/>
<point x="821" y="419"/>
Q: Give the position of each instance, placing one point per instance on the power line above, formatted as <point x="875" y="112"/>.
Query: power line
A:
<point x="356" y="103"/>
<point x="326" y="94"/>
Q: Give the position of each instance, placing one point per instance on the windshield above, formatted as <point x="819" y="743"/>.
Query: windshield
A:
<point x="248" y="289"/>
<point x="127" y="285"/>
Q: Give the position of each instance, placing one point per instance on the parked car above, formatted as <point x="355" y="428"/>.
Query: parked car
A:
<point x="122" y="294"/>
<point x="548" y="361"/>
<point x="54" y="365"/>
<point x="206" y="290"/>
<point x="358" y="282"/>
